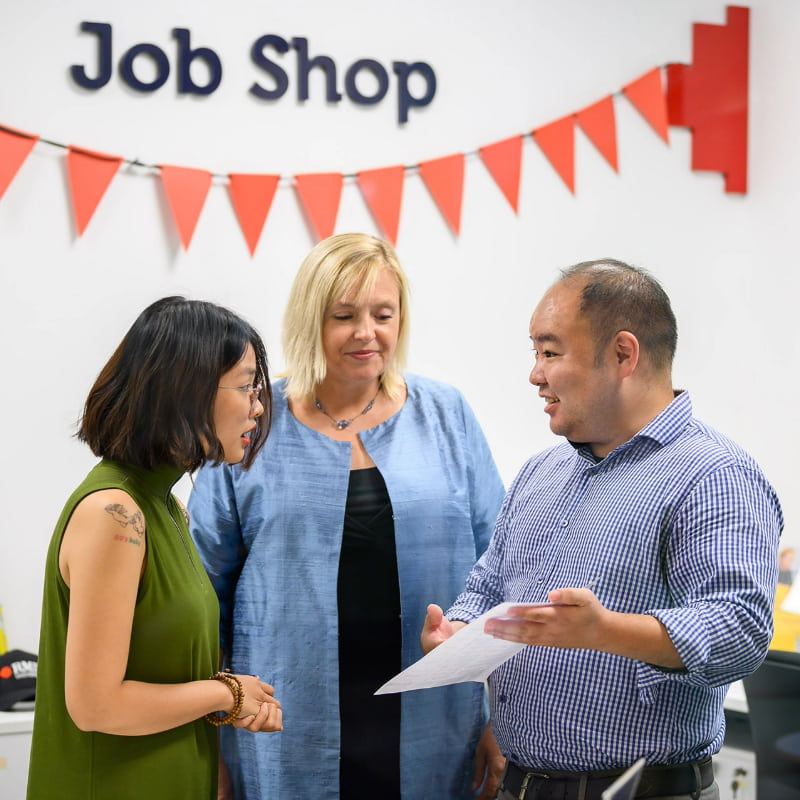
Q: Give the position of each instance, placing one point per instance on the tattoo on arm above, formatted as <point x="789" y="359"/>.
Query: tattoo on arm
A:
<point x="121" y="515"/>
<point x="137" y="523"/>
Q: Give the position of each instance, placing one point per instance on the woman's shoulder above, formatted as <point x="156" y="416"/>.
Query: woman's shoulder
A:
<point x="279" y="385"/>
<point x="107" y="490"/>
<point x="280" y="402"/>
<point x="104" y="479"/>
<point x="111" y="504"/>
<point x="435" y="389"/>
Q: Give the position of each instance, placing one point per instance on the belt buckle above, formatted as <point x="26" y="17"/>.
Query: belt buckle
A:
<point x="523" y="790"/>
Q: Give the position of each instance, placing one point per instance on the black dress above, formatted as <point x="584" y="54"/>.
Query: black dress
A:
<point x="369" y="642"/>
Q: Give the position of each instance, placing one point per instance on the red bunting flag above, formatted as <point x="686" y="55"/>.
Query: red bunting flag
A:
<point x="14" y="149"/>
<point x="252" y="197"/>
<point x="599" y="123"/>
<point x="90" y="174"/>
<point x="557" y="141"/>
<point x="504" y="160"/>
<point x="319" y="195"/>
<point x="187" y="190"/>
<point x="649" y="98"/>
<point x="383" y="193"/>
<point x="444" y="178"/>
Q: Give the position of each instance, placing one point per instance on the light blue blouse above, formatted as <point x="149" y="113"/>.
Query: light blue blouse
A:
<point x="270" y="538"/>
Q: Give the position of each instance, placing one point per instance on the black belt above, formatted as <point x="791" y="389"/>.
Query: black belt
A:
<point x="527" y="783"/>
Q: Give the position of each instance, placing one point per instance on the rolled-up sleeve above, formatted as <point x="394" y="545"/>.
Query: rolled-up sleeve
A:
<point x="721" y="570"/>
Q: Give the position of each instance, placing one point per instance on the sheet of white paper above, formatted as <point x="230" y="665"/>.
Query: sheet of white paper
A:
<point x="792" y="601"/>
<point x="468" y="655"/>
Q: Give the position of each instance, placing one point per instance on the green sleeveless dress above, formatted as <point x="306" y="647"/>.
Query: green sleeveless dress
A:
<point x="175" y="639"/>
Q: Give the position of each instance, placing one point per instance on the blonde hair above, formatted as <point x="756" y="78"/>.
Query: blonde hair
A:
<point x="335" y="268"/>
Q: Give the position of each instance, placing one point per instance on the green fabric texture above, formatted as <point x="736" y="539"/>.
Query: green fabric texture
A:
<point x="175" y="639"/>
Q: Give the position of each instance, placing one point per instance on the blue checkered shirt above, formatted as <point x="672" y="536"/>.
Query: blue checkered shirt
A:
<point x="679" y="523"/>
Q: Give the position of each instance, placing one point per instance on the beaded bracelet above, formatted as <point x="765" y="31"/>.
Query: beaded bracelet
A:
<point x="237" y="690"/>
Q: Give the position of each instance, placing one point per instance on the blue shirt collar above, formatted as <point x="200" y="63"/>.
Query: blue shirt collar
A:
<point x="661" y="430"/>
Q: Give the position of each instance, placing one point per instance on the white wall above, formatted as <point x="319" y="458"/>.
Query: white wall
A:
<point x="729" y="262"/>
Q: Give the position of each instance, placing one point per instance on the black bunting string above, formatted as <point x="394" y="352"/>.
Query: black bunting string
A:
<point x="136" y="162"/>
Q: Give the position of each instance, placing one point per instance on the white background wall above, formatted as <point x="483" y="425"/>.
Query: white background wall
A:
<point x="729" y="262"/>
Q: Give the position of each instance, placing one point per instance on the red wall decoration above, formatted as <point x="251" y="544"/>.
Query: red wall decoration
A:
<point x="708" y="96"/>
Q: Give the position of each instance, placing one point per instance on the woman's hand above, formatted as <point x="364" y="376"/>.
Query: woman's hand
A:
<point x="261" y="712"/>
<point x="489" y="766"/>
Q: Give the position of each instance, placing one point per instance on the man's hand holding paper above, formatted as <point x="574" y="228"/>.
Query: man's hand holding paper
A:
<point x="456" y="652"/>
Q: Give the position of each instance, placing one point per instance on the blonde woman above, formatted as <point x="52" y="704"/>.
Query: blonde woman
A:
<point x="375" y="490"/>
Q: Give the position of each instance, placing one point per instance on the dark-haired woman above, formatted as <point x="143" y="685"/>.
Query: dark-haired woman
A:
<point x="128" y="696"/>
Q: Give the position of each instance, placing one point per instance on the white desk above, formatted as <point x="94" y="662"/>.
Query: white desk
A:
<point x="736" y="700"/>
<point x="735" y="764"/>
<point x="15" y="746"/>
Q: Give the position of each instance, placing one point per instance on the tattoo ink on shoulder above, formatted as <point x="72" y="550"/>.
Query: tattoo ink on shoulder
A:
<point x="135" y="521"/>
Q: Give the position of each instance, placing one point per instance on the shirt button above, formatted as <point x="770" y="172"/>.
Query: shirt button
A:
<point x="564" y="523"/>
<point x="501" y="699"/>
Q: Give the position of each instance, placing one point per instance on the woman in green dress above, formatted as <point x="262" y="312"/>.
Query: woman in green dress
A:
<point x="128" y="696"/>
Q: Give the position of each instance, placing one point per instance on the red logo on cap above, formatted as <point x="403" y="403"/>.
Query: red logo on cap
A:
<point x="5" y="672"/>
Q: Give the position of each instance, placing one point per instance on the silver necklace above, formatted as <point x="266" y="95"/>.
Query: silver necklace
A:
<point x="341" y="424"/>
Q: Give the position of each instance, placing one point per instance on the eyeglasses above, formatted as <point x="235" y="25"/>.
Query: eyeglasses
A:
<point x="254" y="390"/>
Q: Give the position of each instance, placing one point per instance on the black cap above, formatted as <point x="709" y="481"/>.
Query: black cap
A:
<point x="17" y="678"/>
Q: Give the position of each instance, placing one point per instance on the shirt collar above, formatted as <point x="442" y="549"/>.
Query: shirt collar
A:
<point x="661" y="430"/>
<point x="669" y="424"/>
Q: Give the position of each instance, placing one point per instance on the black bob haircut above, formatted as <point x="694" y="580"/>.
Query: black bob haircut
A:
<point x="153" y="402"/>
